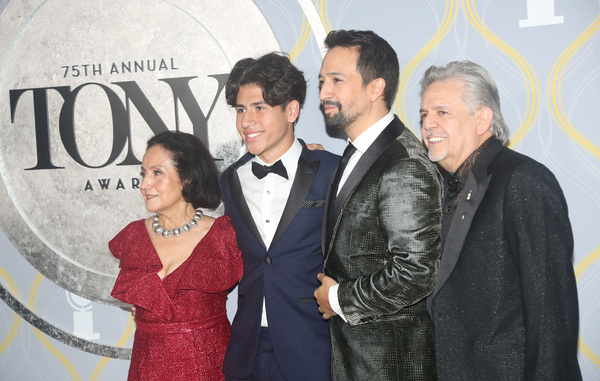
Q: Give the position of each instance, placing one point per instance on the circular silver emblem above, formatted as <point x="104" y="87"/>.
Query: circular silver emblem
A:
<point x="84" y="85"/>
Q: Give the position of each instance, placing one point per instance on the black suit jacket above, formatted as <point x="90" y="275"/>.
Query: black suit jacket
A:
<point x="505" y="301"/>
<point x="383" y="250"/>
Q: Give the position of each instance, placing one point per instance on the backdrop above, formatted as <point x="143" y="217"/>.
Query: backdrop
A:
<point x="84" y="84"/>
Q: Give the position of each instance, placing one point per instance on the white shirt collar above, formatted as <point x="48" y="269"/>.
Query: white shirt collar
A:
<point x="289" y="158"/>
<point x="365" y="139"/>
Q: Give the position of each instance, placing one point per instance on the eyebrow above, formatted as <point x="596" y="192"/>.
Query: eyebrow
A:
<point x="152" y="166"/>
<point x="332" y="74"/>
<point x="253" y="104"/>
<point x="436" y="107"/>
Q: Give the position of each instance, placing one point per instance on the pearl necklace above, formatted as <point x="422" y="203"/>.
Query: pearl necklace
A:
<point x="176" y="232"/>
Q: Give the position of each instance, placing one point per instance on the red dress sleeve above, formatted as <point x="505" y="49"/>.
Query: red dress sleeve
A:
<point x="138" y="282"/>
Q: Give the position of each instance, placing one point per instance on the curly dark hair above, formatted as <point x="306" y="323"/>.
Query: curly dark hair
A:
<point x="281" y="82"/>
<point x="195" y="166"/>
<point x="377" y="59"/>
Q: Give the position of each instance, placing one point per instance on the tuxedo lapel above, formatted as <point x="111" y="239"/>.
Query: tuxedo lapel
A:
<point x="240" y="202"/>
<point x="326" y="232"/>
<point x="472" y="195"/>
<point x="391" y="132"/>
<point x="305" y="174"/>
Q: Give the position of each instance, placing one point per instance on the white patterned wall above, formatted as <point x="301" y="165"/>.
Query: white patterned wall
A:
<point x="544" y="55"/>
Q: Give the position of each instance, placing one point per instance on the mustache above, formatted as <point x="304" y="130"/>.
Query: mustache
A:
<point x="432" y="133"/>
<point x="332" y="103"/>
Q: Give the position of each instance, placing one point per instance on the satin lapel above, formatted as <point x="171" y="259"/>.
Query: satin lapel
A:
<point x="472" y="195"/>
<point x="473" y="192"/>
<point x="240" y="202"/>
<point x="391" y="132"/>
<point x="326" y="226"/>
<point x="305" y="174"/>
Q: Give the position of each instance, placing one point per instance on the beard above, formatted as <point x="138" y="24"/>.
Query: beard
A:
<point x="339" y="120"/>
<point x="437" y="154"/>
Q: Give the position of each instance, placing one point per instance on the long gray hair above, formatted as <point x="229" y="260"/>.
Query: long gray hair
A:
<point x="480" y="90"/>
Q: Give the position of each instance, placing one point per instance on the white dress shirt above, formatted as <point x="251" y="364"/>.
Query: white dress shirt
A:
<point x="362" y="144"/>
<point x="266" y="197"/>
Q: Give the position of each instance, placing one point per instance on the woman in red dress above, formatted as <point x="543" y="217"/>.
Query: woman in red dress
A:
<point x="178" y="266"/>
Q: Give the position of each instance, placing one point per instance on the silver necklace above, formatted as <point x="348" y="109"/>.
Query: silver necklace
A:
<point x="176" y="232"/>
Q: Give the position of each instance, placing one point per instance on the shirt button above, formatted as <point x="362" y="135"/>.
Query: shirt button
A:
<point x="268" y="260"/>
<point x="268" y="192"/>
<point x="268" y="221"/>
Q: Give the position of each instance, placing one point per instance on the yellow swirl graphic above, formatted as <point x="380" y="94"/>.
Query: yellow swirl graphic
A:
<point x="324" y="12"/>
<point x="588" y="352"/>
<point x="16" y="320"/>
<point x="33" y="295"/>
<point x="529" y="75"/>
<point x="560" y="117"/>
<point x="555" y="86"/>
<point x="580" y="269"/>
<point x="311" y="22"/>
<point x="125" y="336"/>
<point x="302" y="40"/>
<point x="448" y="19"/>
<point x="586" y="263"/>
<point x="99" y="368"/>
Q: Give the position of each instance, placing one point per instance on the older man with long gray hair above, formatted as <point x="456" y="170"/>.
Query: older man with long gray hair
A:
<point x="504" y="305"/>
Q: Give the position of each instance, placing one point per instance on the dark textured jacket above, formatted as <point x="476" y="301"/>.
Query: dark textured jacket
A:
<point x="505" y="302"/>
<point x="383" y="248"/>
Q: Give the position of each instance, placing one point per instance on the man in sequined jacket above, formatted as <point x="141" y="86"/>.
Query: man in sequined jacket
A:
<point x="504" y="305"/>
<point x="382" y="235"/>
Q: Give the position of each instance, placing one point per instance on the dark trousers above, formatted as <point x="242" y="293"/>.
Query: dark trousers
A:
<point x="265" y="367"/>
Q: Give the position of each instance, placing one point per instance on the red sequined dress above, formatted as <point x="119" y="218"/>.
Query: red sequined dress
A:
<point x="182" y="327"/>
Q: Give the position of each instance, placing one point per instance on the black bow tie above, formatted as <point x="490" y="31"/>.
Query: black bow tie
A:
<point x="261" y="171"/>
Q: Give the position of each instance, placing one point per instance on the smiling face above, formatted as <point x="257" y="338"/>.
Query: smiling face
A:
<point x="342" y="94"/>
<point x="449" y="131"/>
<point x="161" y="186"/>
<point x="268" y="131"/>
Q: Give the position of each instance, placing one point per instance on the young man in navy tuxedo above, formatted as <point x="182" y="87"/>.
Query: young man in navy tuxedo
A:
<point x="275" y="197"/>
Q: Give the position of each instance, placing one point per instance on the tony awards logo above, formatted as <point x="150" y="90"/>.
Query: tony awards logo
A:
<point x="83" y="318"/>
<point x="85" y="85"/>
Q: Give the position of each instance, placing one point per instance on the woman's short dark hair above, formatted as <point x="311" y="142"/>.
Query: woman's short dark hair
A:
<point x="195" y="166"/>
<point x="281" y="82"/>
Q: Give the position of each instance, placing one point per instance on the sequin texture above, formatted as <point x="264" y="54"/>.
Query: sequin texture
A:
<point x="182" y="326"/>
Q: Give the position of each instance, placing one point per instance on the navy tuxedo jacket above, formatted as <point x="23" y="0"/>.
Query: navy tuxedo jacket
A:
<point x="285" y="275"/>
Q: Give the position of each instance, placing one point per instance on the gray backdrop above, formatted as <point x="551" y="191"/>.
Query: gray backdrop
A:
<point x="61" y="200"/>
